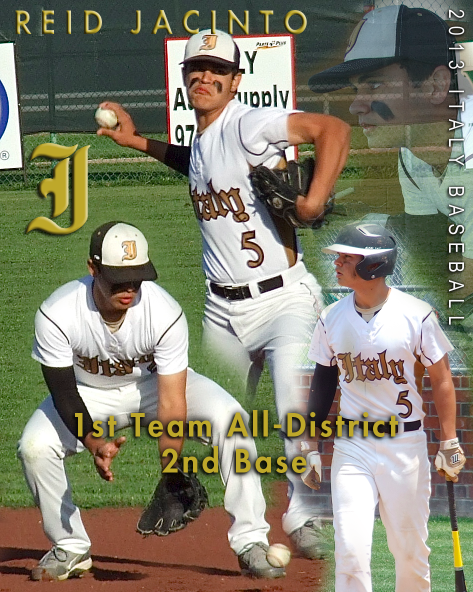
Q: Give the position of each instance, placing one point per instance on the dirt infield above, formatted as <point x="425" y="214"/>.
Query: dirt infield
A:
<point x="196" y="559"/>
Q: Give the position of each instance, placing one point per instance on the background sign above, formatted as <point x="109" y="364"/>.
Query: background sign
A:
<point x="267" y="63"/>
<point x="11" y="156"/>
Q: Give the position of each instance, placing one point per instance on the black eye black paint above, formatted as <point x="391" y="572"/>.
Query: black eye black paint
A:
<point x="382" y="110"/>
<point x="216" y="83"/>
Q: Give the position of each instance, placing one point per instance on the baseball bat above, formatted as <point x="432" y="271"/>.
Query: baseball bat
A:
<point x="460" y="585"/>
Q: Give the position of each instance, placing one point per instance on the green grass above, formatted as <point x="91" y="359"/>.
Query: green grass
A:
<point x="100" y="147"/>
<point x="33" y="265"/>
<point x="441" y="557"/>
<point x="108" y="170"/>
<point x="109" y="165"/>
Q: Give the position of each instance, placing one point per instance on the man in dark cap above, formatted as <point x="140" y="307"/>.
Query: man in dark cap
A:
<point x="400" y="61"/>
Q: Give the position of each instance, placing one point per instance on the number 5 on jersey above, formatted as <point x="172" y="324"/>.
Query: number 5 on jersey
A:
<point x="403" y="400"/>
<point x="248" y="243"/>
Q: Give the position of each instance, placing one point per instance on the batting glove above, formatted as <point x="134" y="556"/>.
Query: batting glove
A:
<point x="312" y="475"/>
<point x="450" y="459"/>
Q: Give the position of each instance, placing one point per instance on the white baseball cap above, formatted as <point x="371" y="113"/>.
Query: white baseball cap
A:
<point x="385" y="36"/>
<point x="121" y="251"/>
<point x="216" y="46"/>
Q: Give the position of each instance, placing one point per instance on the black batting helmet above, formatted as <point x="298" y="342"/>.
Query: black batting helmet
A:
<point x="375" y="243"/>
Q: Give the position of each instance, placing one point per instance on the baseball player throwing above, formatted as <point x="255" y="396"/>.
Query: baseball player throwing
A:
<point x="261" y="301"/>
<point x="108" y="344"/>
<point x="379" y="341"/>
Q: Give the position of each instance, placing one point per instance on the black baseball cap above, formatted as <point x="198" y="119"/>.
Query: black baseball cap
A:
<point x="121" y="252"/>
<point x="385" y="36"/>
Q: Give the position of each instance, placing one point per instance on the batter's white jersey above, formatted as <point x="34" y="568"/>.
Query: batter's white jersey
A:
<point x="69" y="331"/>
<point x="381" y="362"/>
<point x="241" y="242"/>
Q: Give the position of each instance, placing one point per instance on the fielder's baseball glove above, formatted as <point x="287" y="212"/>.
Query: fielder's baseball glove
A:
<point x="278" y="190"/>
<point x="178" y="499"/>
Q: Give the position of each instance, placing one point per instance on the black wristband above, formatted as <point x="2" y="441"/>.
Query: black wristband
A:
<point x="178" y="158"/>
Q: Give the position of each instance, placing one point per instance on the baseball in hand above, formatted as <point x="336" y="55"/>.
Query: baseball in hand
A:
<point x="278" y="555"/>
<point x="106" y="118"/>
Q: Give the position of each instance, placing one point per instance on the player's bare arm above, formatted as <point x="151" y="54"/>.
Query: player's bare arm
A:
<point x="125" y="134"/>
<point x="444" y="397"/>
<point x="331" y="139"/>
<point x="171" y="407"/>
<point x="450" y="458"/>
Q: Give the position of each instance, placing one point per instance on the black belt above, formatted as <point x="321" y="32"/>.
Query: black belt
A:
<point x="243" y="292"/>
<point x="409" y="426"/>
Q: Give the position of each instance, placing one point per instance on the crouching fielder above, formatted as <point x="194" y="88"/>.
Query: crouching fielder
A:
<point x="376" y="343"/>
<point x="114" y="344"/>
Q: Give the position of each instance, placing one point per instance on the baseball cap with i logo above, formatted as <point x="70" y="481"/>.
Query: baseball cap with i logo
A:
<point x="385" y="36"/>
<point x="214" y="46"/>
<point x="121" y="252"/>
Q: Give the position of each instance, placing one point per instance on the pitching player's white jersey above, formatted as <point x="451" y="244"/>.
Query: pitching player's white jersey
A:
<point x="69" y="331"/>
<point x="381" y="362"/>
<point x="240" y="240"/>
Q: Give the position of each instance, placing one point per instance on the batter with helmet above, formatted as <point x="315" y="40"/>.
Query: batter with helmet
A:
<point x="114" y="345"/>
<point x="261" y="302"/>
<point x="376" y="343"/>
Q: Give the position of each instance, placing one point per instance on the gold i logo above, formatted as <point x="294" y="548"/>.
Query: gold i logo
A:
<point x="58" y="186"/>
<point x="129" y="248"/>
<point x="209" y="42"/>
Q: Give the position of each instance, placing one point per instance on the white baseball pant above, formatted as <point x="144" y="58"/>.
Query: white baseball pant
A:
<point x="46" y="441"/>
<point x="274" y="326"/>
<point x="396" y="473"/>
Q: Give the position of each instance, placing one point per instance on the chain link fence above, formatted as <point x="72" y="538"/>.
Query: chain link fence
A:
<point x="108" y="163"/>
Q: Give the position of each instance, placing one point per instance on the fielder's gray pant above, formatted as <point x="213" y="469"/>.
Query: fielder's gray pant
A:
<point x="46" y="441"/>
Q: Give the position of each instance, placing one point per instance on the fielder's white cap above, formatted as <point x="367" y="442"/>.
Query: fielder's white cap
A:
<point x="121" y="251"/>
<point x="385" y="36"/>
<point x="216" y="46"/>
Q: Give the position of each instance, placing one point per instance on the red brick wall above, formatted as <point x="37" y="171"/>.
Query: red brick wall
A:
<point x="438" y="502"/>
